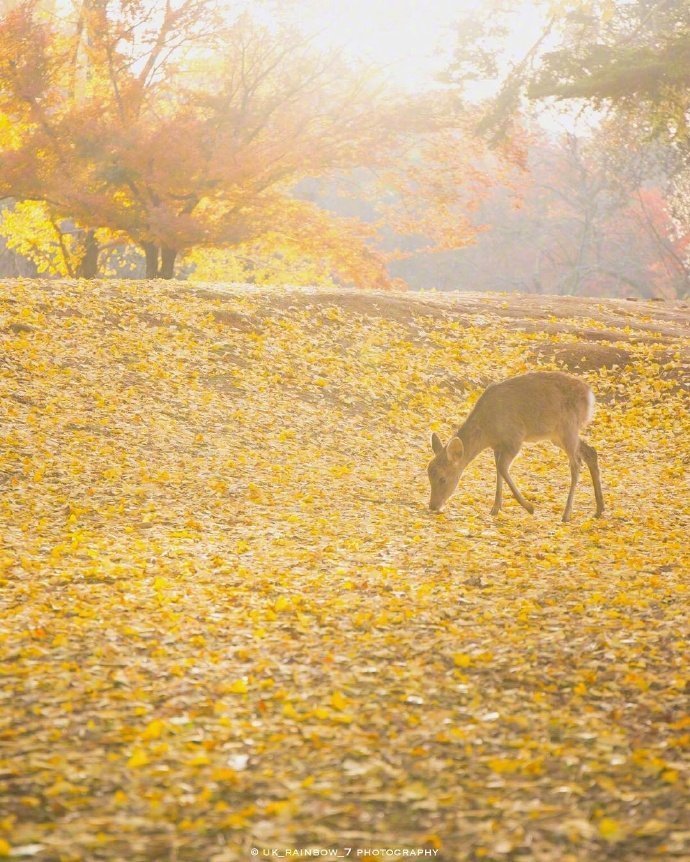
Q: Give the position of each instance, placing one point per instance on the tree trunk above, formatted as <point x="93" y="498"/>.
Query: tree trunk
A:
<point x="151" y="252"/>
<point x="168" y="256"/>
<point x="88" y="265"/>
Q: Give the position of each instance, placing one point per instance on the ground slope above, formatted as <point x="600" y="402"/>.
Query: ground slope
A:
<point x="230" y="623"/>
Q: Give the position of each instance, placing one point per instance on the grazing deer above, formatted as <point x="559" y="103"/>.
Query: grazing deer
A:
<point x="544" y="405"/>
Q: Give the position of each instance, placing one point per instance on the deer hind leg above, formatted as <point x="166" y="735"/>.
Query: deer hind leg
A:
<point x="589" y="456"/>
<point x="504" y="459"/>
<point x="498" y="499"/>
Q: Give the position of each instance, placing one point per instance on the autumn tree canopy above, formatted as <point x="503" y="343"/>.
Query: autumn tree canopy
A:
<point x="199" y="139"/>
<point x="611" y="210"/>
<point x="633" y="57"/>
<point x="180" y="129"/>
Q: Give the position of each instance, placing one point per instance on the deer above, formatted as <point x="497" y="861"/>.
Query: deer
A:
<point x="541" y="405"/>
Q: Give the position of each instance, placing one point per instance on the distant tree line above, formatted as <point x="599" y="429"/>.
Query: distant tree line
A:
<point x="170" y="140"/>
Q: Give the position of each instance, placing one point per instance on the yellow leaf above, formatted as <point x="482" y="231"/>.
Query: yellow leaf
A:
<point x="280" y="807"/>
<point x="432" y="839"/>
<point x="255" y="493"/>
<point x="281" y="603"/>
<point x="610" y="830"/>
<point x="458" y="733"/>
<point x="200" y="759"/>
<point x="503" y="765"/>
<point x="138" y="758"/>
<point x="239" y="819"/>
<point x="289" y="711"/>
<point x="321" y="713"/>
<point x="461" y="659"/>
<point x="338" y="700"/>
<point x="238" y="687"/>
<point x="224" y="773"/>
<point x="154" y="729"/>
<point x="5" y="848"/>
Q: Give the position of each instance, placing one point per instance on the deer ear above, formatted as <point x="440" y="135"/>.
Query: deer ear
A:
<point x="436" y="444"/>
<point x="454" y="449"/>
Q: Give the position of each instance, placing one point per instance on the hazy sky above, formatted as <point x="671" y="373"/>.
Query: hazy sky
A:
<point x="412" y="39"/>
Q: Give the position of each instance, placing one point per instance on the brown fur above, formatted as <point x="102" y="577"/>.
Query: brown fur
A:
<point x="544" y="405"/>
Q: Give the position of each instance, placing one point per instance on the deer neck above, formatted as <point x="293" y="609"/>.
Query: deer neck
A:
<point x="473" y="440"/>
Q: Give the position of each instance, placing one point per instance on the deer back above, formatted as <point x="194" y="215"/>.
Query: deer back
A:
<point x="535" y="406"/>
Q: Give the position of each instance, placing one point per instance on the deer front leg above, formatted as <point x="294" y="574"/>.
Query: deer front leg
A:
<point x="503" y="462"/>
<point x="589" y="454"/>
<point x="498" y="499"/>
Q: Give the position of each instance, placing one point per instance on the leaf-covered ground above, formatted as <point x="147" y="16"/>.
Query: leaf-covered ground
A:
<point x="229" y="621"/>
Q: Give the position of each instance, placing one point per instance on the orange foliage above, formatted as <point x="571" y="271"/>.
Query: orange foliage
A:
<point x="180" y="130"/>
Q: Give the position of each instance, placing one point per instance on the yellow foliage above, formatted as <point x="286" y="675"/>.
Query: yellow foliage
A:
<point x="238" y="687"/>
<point x="610" y="830"/>
<point x="338" y="700"/>
<point x="281" y="264"/>
<point x="10" y="133"/>
<point x="180" y="653"/>
<point x="29" y="229"/>
<point x="138" y="758"/>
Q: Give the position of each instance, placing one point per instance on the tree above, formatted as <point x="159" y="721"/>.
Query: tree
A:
<point x="166" y="155"/>
<point x="185" y="132"/>
<point x="631" y="62"/>
<point x="634" y="56"/>
<point x="583" y="220"/>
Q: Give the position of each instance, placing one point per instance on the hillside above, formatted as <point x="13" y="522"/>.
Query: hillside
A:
<point x="230" y="621"/>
